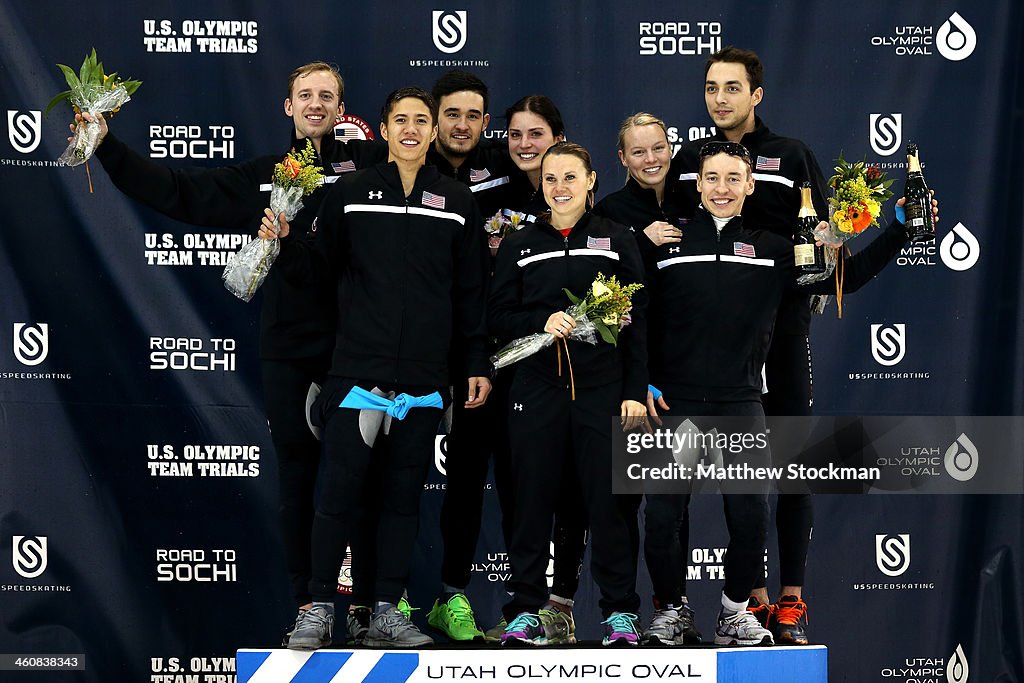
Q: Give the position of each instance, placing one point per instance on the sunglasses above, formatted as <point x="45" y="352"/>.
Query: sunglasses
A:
<point x="733" y="149"/>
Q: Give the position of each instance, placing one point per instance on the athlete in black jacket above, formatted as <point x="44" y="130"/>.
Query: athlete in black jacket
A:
<point x="487" y="171"/>
<point x="402" y="246"/>
<point x="296" y="321"/>
<point x="714" y="299"/>
<point x="651" y="207"/>
<point x="732" y="90"/>
<point x="563" y="396"/>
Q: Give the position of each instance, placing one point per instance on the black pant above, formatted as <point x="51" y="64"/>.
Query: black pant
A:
<point x="285" y="387"/>
<point x="790" y="392"/>
<point x="476" y="434"/>
<point x="544" y="425"/>
<point x="347" y="485"/>
<point x="746" y="517"/>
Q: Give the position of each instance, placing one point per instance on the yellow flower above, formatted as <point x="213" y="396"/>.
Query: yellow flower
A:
<point x="600" y="290"/>
<point x="842" y="222"/>
<point x="611" y="319"/>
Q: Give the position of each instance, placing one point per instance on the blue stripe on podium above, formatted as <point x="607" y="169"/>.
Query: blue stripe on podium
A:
<point x="807" y="664"/>
<point x="322" y="667"/>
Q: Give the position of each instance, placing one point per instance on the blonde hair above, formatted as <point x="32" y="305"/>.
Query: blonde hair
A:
<point x="312" y="67"/>
<point x="641" y="118"/>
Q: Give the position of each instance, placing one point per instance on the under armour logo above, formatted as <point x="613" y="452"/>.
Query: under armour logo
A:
<point x="673" y="250"/>
<point x="379" y="194"/>
<point x="524" y="252"/>
<point x="517" y="406"/>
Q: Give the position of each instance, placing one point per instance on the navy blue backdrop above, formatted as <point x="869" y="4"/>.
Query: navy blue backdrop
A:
<point x="152" y="566"/>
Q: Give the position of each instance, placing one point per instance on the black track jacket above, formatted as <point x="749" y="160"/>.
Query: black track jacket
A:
<point x="535" y="263"/>
<point x="409" y="272"/>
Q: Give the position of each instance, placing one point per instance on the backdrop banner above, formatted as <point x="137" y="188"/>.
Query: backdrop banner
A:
<point x="138" y="482"/>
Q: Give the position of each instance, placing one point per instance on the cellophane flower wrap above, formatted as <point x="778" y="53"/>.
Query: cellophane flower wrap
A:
<point x="858" y="192"/>
<point x="92" y="91"/>
<point x="295" y="177"/>
<point x="601" y="313"/>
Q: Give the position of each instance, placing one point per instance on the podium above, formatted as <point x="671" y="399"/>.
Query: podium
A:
<point x="579" y="664"/>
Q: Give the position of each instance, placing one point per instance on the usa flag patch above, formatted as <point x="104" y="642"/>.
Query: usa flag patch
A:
<point x="743" y="249"/>
<point x="604" y="243"/>
<point x="344" y="167"/>
<point x="478" y="175"/>
<point x="432" y="200"/>
<point x="767" y="163"/>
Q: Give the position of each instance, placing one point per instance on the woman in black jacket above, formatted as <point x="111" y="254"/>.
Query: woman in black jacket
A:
<point x="556" y="410"/>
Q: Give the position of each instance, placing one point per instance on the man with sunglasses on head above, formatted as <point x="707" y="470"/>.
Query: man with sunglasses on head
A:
<point x="732" y="91"/>
<point x="715" y="294"/>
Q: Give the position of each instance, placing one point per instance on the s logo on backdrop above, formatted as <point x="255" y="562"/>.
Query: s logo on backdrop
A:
<point x="31" y="343"/>
<point x="888" y="343"/>
<point x="24" y="130"/>
<point x="29" y="555"/>
<point x="892" y="553"/>
<point x="886" y="133"/>
<point x="450" y="30"/>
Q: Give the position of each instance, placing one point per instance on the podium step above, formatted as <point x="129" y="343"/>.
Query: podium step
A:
<point x="543" y="665"/>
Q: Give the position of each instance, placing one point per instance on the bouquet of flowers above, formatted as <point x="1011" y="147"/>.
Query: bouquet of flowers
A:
<point x="858" y="192"/>
<point x="92" y="91"/>
<point x="501" y="225"/>
<point x="295" y="177"/>
<point x="602" y="312"/>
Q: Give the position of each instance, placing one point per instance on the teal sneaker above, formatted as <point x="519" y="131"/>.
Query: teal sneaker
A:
<point x="454" y="618"/>
<point x="621" y="629"/>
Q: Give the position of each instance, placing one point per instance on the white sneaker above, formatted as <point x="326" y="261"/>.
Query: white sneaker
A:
<point x="741" y="628"/>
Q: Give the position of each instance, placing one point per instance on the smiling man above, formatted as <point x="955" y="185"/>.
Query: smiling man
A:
<point x="733" y="88"/>
<point x="458" y="152"/>
<point x="715" y="296"/>
<point x="297" y="321"/>
<point x="402" y="244"/>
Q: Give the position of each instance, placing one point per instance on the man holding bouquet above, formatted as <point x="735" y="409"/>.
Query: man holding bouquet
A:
<point x="402" y="247"/>
<point x="297" y="321"/>
<point x="715" y="295"/>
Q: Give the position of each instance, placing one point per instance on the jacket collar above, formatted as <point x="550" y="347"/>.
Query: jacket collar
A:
<point x="754" y="137"/>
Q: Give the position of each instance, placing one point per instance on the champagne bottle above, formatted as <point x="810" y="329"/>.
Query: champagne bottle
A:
<point x="918" y="208"/>
<point x="809" y="257"/>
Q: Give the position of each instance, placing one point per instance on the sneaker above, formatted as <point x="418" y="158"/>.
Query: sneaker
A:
<point x="559" y="627"/>
<point x="454" y="618"/>
<point x="525" y="629"/>
<point x="761" y="610"/>
<point x="666" y="629"/>
<point x="358" y="623"/>
<point x="691" y="636"/>
<point x="291" y="629"/>
<point x="494" y="633"/>
<point x="621" y="629"/>
<point x="313" y="628"/>
<point x="392" y="629"/>
<point x="741" y="628"/>
<point x="785" y="624"/>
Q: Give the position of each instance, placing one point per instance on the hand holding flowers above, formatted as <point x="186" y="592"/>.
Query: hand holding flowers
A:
<point x="602" y="312"/>
<point x="92" y="92"/>
<point x="295" y="177"/>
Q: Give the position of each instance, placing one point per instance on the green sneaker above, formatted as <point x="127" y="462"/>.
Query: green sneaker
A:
<point x="559" y="627"/>
<point x="405" y="608"/>
<point x="454" y="618"/>
<point x="493" y="634"/>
